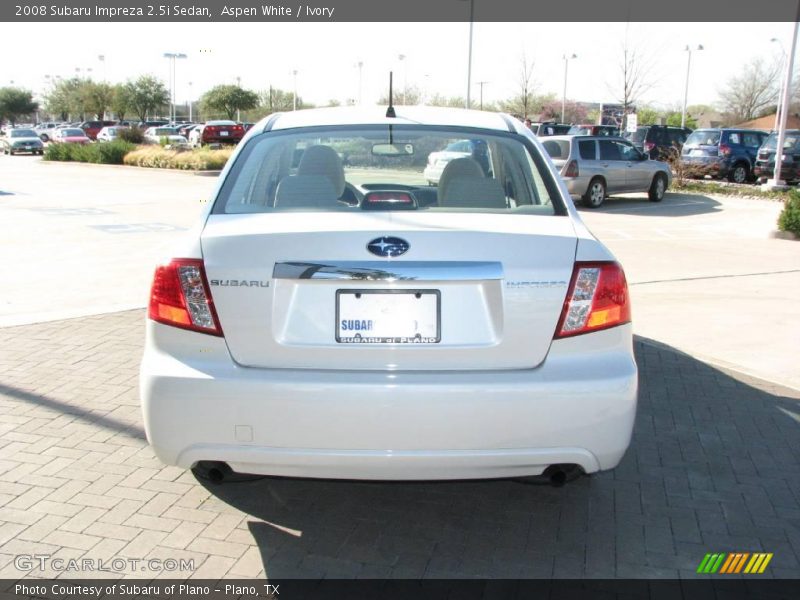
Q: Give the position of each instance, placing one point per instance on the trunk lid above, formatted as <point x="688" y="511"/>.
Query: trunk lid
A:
<point x="283" y="283"/>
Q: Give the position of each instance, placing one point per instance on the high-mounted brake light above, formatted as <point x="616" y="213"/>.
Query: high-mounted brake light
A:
<point x="180" y="297"/>
<point x="597" y="299"/>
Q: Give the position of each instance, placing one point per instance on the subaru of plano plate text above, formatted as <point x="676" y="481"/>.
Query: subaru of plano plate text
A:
<point x="333" y="315"/>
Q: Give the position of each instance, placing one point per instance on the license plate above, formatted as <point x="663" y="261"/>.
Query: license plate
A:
<point x="697" y="153"/>
<point x="387" y="316"/>
<point x="223" y="133"/>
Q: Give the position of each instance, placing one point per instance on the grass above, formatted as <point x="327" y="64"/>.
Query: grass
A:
<point x="695" y="186"/>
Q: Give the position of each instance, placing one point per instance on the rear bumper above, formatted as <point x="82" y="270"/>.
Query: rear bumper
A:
<point x="701" y="166"/>
<point x="576" y="186"/>
<point x="577" y="407"/>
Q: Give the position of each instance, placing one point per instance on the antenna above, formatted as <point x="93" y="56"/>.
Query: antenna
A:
<point x="390" y="111"/>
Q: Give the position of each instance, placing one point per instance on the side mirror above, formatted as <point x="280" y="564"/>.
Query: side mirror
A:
<point x="643" y="156"/>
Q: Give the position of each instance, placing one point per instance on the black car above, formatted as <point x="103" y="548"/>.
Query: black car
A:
<point x="550" y="128"/>
<point x="790" y="163"/>
<point x="660" y="142"/>
<point x="729" y="153"/>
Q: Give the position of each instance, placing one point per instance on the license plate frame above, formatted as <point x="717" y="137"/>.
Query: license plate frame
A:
<point x="380" y="297"/>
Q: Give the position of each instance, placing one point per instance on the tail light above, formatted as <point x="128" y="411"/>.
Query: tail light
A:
<point x="238" y="128"/>
<point x="724" y="150"/>
<point x="572" y="169"/>
<point x="648" y="146"/>
<point x="180" y="297"/>
<point x="597" y="299"/>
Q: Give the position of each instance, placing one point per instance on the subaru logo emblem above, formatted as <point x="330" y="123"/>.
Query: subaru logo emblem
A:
<point x="388" y="246"/>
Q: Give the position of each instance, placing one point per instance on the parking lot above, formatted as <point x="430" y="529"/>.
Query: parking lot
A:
<point x="714" y="465"/>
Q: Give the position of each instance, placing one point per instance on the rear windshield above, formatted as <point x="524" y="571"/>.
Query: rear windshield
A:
<point x="790" y="140"/>
<point x="23" y="133"/>
<point x="703" y="138"/>
<point x="404" y="167"/>
<point x="557" y="148"/>
<point x="639" y="135"/>
<point x="73" y="132"/>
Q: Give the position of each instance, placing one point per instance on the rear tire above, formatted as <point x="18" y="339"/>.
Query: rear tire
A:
<point x="739" y="174"/>
<point x="657" y="188"/>
<point x="595" y="194"/>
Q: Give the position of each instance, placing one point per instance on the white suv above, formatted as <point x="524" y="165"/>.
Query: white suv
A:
<point x="334" y="316"/>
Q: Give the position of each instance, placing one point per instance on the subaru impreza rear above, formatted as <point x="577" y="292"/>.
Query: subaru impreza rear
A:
<point x="335" y="316"/>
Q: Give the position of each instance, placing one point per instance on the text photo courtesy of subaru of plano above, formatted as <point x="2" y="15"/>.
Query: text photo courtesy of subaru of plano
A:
<point x="335" y="316"/>
<point x="594" y="167"/>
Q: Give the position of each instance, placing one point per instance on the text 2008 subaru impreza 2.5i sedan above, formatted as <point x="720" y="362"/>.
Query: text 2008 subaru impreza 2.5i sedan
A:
<point x="335" y="316"/>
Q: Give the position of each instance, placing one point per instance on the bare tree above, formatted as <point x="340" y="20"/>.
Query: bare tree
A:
<point x="522" y="103"/>
<point x="747" y="95"/>
<point x="637" y="74"/>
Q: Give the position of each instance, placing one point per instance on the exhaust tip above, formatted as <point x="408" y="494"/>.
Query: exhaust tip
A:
<point x="554" y="475"/>
<point x="218" y="472"/>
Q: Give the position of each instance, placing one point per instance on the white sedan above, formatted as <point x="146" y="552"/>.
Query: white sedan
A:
<point x="168" y="135"/>
<point x="341" y="319"/>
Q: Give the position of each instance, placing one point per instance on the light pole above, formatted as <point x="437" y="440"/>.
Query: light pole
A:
<point x="102" y="59"/>
<point x="172" y="56"/>
<point x="776" y="181"/>
<point x="780" y="92"/>
<point x="564" y="95"/>
<point x="469" y="51"/>
<point x="190" y="102"/>
<point x="294" y="92"/>
<point x="482" y="83"/>
<point x="238" y="111"/>
<point x="689" y="50"/>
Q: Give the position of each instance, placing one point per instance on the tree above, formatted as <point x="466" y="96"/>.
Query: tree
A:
<point x="66" y="98"/>
<point x="409" y="96"/>
<point x="636" y="75"/>
<point x="746" y="95"/>
<point x="15" y="103"/>
<point x="146" y="94"/>
<point x="277" y="100"/>
<point x="573" y="111"/>
<point x="522" y="103"/>
<point x="120" y="101"/>
<point x="647" y="116"/>
<point x="228" y="99"/>
<point x="97" y="97"/>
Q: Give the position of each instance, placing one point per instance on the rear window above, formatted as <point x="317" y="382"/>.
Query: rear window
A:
<point x="790" y="141"/>
<point x="351" y="169"/>
<point x="639" y="135"/>
<point x="703" y="138"/>
<point x="557" y="148"/>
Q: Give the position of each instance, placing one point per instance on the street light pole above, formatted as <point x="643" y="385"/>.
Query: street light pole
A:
<point x="360" y="66"/>
<point x="481" y="83"/>
<point x="238" y="111"/>
<point x="776" y="180"/>
<point x="686" y="88"/>
<point x="172" y="56"/>
<point x="190" y="102"/>
<point x="469" y="58"/>
<point x="564" y="95"/>
<point x="779" y="107"/>
<point x="402" y="58"/>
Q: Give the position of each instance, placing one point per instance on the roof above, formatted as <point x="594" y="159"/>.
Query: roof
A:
<point x="768" y="123"/>
<point x="406" y="115"/>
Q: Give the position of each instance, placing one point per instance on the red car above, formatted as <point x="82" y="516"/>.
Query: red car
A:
<point x="70" y="135"/>
<point x="217" y="132"/>
<point x="92" y="128"/>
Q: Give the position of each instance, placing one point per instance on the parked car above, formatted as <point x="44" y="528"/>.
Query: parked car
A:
<point x="45" y="130"/>
<point x="589" y="129"/>
<point x="170" y="135"/>
<point x="216" y="132"/>
<point x="790" y="162"/>
<point x="722" y="153"/>
<point x="21" y="140"/>
<point x="550" y="128"/>
<point x="70" y="135"/>
<point x="595" y="166"/>
<point x="486" y="334"/>
<point x="92" y="128"/>
<point x="109" y="134"/>
<point x="152" y="123"/>
<point x="438" y="160"/>
<point x="185" y="128"/>
<point x="659" y="142"/>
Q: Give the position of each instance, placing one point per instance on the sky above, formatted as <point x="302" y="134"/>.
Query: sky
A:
<point x="325" y="56"/>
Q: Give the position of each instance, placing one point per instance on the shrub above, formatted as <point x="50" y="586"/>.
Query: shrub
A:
<point x="112" y="153"/>
<point x="196" y="160"/>
<point x="134" y="135"/>
<point x="789" y="219"/>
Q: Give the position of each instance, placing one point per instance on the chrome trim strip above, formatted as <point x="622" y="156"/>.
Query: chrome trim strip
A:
<point x="383" y="271"/>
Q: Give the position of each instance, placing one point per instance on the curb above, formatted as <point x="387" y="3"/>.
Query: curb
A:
<point x="784" y="235"/>
<point x="154" y="169"/>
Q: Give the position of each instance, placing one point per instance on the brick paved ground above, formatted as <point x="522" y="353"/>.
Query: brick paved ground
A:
<point x="715" y="466"/>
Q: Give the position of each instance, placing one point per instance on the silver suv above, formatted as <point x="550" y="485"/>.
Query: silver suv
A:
<point x="594" y="167"/>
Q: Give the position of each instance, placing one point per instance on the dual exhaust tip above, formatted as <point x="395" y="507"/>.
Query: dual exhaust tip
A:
<point x="219" y="472"/>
